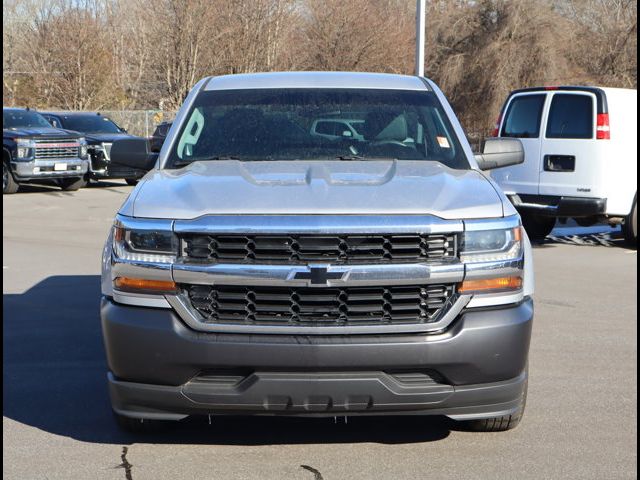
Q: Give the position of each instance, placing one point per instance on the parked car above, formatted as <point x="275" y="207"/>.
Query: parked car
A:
<point x="581" y="156"/>
<point x="258" y="269"/>
<point x="33" y="151"/>
<point x="159" y="135"/>
<point x="100" y="132"/>
<point x="336" y="128"/>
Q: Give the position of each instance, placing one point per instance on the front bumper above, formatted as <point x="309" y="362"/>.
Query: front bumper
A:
<point x="156" y="368"/>
<point x="554" y="206"/>
<point x="74" y="167"/>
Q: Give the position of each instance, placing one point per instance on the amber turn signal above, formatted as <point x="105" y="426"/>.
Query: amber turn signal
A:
<point x="489" y="285"/>
<point x="143" y="285"/>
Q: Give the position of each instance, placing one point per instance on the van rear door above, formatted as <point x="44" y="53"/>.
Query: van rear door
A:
<point x="569" y="154"/>
<point x="522" y="119"/>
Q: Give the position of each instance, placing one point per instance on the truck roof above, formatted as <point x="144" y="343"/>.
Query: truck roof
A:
<point x="316" y="80"/>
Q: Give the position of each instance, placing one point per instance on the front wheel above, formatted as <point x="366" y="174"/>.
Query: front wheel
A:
<point x="537" y="226"/>
<point x="503" y="423"/>
<point x="72" y="184"/>
<point x="9" y="184"/>
<point x="630" y="225"/>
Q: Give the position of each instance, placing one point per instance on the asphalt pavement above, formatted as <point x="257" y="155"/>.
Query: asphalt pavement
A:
<point x="580" y="422"/>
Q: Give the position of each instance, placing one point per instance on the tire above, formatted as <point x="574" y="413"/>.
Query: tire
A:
<point x="630" y="225"/>
<point x="72" y="184"/>
<point x="503" y="423"/>
<point x="9" y="184"/>
<point x="131" y="181"/>
<point x="537" y="226"/>
<point x="138" y="425"/>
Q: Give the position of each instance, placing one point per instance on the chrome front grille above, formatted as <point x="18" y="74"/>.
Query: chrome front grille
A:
<point x="56" y="150"/>
<point x="308" y="306"/>
<point x="303" y="249"/>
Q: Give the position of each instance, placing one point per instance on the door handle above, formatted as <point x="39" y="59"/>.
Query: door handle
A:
<point x="559" y="163"/>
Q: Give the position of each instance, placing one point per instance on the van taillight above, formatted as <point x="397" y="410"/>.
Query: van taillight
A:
<point x="602" y="127"/>
<point x="496" y="129"/>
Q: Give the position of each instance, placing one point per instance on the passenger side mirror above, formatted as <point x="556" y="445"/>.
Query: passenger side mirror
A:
<point x="499" y="153"/>
<point x="134" y="153"/>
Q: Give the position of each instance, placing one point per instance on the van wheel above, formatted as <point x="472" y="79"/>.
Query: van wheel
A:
<point x="9" y="184"/>
<point x="630" y="225"/>
<point x="72" y="184"/>
<point x="138" y="425"/>
<point x="503" y="423"/>
<point x="537" y="226"/>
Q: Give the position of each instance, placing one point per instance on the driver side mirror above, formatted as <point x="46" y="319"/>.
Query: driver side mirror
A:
<point x="499" y="153"/>
<point x="133" y="153"/>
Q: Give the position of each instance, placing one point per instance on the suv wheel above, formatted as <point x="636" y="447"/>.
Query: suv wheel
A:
<point x="537" y="226"/>
<point x="630" y="225"/>
<point x="72" y="184"/>
<point x="503" y="423"/>
<point x="131" y="181"/>
<point x="9" y="185"/>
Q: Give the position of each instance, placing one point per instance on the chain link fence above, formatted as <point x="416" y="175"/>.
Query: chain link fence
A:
<point x="139" y="122"/>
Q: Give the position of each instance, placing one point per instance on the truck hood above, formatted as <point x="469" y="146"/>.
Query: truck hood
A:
<point x="93" y="138"/>
<point x="39" y="132"/>
<point x="314" y="187"/>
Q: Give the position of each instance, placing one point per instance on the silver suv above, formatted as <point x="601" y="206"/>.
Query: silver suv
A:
<point x="260" y="269"/>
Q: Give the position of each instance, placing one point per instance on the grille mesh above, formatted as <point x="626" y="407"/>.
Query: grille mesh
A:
<point x="52" y="151"/>
<point x="320" y="306"/>
<point x="301" y="249"/>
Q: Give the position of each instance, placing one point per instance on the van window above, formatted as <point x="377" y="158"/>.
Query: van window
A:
<point x="570" y="116"/>
<point x="523" y="116"/>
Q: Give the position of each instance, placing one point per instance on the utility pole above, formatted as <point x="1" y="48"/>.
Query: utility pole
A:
<point x="420" y="36"/>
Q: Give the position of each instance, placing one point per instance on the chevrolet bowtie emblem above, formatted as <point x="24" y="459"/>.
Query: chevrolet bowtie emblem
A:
<point x="318" y="276"/>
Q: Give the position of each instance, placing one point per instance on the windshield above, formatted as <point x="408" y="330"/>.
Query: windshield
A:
<point x="313" y="124"/>
<point x="23" y="119"/>
<point x="90" y="124"/>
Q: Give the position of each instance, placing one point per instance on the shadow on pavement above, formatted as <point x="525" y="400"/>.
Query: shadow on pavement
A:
<point x="54" y="379"/>
<point x="598" y="236"/>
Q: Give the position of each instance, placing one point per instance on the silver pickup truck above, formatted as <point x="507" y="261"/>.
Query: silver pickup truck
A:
<point x="261" y="269"/>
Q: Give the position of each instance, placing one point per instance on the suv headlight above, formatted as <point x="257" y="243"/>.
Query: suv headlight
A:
<point x="25" y="149"/>
<point x="142" y="245"/>
<point x="83" y="151"/>
<point x="491" y="245"/>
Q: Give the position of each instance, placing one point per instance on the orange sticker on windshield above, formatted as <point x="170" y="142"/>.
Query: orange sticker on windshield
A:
<point x="443" y="142"/>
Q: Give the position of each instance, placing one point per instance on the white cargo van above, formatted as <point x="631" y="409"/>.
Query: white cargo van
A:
<point x="580" y="156"/>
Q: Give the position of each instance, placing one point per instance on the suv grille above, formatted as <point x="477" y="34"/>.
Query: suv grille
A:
<point x="319" y="306"/>
<point x="53" y="150"/>
<point x="302" y="249"/>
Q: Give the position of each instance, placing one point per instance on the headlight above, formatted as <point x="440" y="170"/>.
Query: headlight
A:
<point x="83" y="147"/>
<point x="491" y="245"/>
<point x="157" y="246"/>
<point x="25" y="149"/>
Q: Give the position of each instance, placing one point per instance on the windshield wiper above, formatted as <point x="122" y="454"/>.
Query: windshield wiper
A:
<point x="350" y="157"/>
<point x="206" y="159"/>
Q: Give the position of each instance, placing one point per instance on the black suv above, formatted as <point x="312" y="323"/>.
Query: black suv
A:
<point x="100" y="132"/>
<point x="34" y="151"/>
